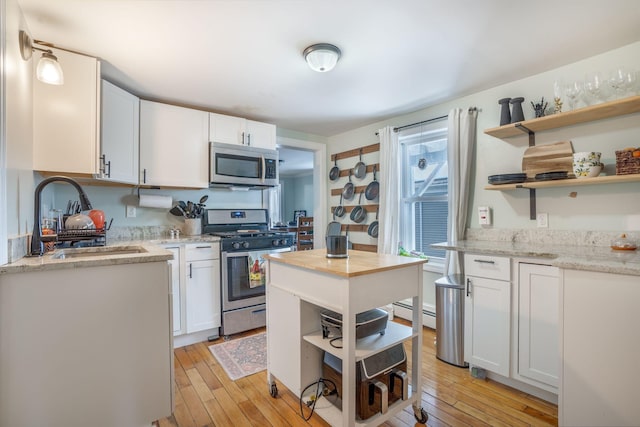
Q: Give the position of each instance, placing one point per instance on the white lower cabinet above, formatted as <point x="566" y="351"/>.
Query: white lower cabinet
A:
<point x="196" y="290"/>
<point x="202" y="287"/>
<point x="600" y="348"/>
<point x="487" y="313"/>
<point x="537" y="355"/>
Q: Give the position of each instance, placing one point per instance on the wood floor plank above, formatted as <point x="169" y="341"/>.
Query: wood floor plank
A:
<point x="217" y="414"/>
<point x="195" y="405"/>
<point x="230" y="407"/>
<point x="205" y="395"/>
<point x="252" y="413"/>
<point x="198" y="384"/>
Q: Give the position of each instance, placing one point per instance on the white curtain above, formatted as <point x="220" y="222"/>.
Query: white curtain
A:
<point x="389" y="177"/>
<point x="460" y="145"/>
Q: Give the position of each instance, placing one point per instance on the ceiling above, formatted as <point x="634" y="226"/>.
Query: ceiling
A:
<point x="244" y="57"/>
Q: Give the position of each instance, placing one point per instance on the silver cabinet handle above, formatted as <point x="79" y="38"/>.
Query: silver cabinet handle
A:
<point x="203" y="247"/>
<point x="484" y="261"/>
<point x="468" y="287"/>
<point x="249" y="139"/>
<point x="144" y="176"/>
<point x="243" y="143"/>
<point x="109" y="169"/>
<point x="190" y="270"/>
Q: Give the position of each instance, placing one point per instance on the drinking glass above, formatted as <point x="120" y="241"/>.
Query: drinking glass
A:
<point x="573" y="92"/>
<point x="595" y="88"/>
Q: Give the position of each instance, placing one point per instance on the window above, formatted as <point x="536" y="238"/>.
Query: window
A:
<point x="424" y="203"/>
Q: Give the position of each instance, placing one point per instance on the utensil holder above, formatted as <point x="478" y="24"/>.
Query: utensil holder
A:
<point x="192" y="226"/>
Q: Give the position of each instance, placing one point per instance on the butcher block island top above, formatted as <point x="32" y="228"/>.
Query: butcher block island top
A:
<point x="359" y="263"/>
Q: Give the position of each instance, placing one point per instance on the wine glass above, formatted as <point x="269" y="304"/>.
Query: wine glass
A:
<point x="623" y="82"/>
<point x="558" y="95"/>
<point x="573" y="92"/>
<point x="595" y="88"/>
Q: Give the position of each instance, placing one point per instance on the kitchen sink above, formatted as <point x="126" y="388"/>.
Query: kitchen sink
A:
<point x="98" y="252"/>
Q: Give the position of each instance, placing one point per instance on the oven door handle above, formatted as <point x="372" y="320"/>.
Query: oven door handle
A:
<point x="264" y="170"/>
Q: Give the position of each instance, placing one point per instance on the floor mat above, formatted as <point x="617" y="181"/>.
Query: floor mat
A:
<point x="242" y="356"/>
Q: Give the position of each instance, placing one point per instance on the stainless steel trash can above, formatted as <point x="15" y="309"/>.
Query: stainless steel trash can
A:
<point x="450" y="319"/>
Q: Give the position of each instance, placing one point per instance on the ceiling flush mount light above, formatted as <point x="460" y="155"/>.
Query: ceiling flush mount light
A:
<point x="48" y="69"/>
<point x="322" y="57"/>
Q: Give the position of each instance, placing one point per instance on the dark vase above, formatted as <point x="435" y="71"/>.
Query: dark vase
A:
<point x="517" y="115"/>
<point x="505" y="114"/>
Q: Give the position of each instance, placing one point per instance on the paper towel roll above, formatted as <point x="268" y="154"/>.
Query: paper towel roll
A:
<point x="150" y="201"/>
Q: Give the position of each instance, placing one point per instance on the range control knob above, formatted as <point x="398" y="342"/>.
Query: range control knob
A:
<point x="283" y="242"/>
<point x="236" y="245"/>
<point x="275" y="242"/>
<point x="245" y="245"/>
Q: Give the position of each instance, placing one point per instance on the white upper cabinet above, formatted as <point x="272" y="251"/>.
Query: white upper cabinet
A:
<point x="236" y="130"/>
<point x="66" y="117"/>
<point x="120" y="117"/>
<point x="261" y="135"/>
<point x="174" y="147"/>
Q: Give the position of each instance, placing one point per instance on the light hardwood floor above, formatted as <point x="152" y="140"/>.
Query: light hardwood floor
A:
<point x="205" y="396"/>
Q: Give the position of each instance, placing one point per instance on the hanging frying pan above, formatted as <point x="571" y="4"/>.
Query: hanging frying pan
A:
<point x="371" y="192"/>
<point x="373" y="227"/>
<point x="339" y="210"/>
<point x="334" y="228"/>
<point x="360" y="169"/>
<point x="334" y="173"/>
<point x="358" y="214"/>
<point x="348" y="190"/>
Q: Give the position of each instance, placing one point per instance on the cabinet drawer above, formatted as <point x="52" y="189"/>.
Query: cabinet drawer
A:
<point x="491" y="267"/>
<point x="202" y="251"/>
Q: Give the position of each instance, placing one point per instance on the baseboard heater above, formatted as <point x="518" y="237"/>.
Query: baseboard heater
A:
<point x="410" y="307"/>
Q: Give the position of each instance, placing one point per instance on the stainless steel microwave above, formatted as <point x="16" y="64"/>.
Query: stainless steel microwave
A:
<point x="242" y="165"/>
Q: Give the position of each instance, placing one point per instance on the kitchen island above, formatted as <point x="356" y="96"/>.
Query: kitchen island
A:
<point x="302" y="284"/>
<point x="85" y="338"/>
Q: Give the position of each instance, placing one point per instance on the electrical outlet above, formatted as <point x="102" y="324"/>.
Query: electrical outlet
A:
<point x="543" y="220"/>
<point x="131" y="211"/>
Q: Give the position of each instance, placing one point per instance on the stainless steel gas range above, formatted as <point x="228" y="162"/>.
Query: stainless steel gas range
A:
<point x="244" y="239"/>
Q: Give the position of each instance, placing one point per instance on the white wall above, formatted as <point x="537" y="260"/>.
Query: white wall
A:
<point x="604" y="208"/>
<point x="599" y="208"/>
<point x="297" y="194"/>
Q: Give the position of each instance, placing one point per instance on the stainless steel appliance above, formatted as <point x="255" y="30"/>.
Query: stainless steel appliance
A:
<point x="241" y="165"/>
<point x="245" y="239"/>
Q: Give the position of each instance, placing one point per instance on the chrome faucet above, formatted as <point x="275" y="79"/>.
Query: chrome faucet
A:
<point x="37" y="239"/>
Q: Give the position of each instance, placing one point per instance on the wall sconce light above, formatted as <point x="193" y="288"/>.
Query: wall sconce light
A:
<point x="322" y="57"/>
<point x="48" y="69"/>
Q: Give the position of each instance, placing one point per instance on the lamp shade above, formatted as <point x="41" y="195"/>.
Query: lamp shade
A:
<point x="322" y="57"/>
<point x="49" y="70"/>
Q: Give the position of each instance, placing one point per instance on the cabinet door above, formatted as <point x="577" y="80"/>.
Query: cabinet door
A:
<point x="120" y="114"/>
<point x="227" y="129"/>
<point x="487" y="318"/>
<point x="203" y="295"/>
<point x="261" y="135"/>
<point x="538" y="339"/>
<point x="173" y="146"/>
<point x="65" y="117"/>
<point x="175" y="288"/>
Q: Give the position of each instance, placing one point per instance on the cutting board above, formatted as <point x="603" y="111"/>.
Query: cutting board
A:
<point x="548" y="158"/>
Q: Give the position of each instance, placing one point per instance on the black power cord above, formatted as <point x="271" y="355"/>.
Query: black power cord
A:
<point x="324" y="391"/>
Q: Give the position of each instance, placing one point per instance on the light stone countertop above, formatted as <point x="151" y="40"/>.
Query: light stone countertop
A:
<point x="152" y="252"/>
<point x="572" y="257"/>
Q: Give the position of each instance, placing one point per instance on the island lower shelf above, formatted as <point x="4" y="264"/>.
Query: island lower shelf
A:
<point x="368" y="346"/>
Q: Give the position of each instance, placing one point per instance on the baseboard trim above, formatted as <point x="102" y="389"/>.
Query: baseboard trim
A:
<point x="405" y="311"/>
